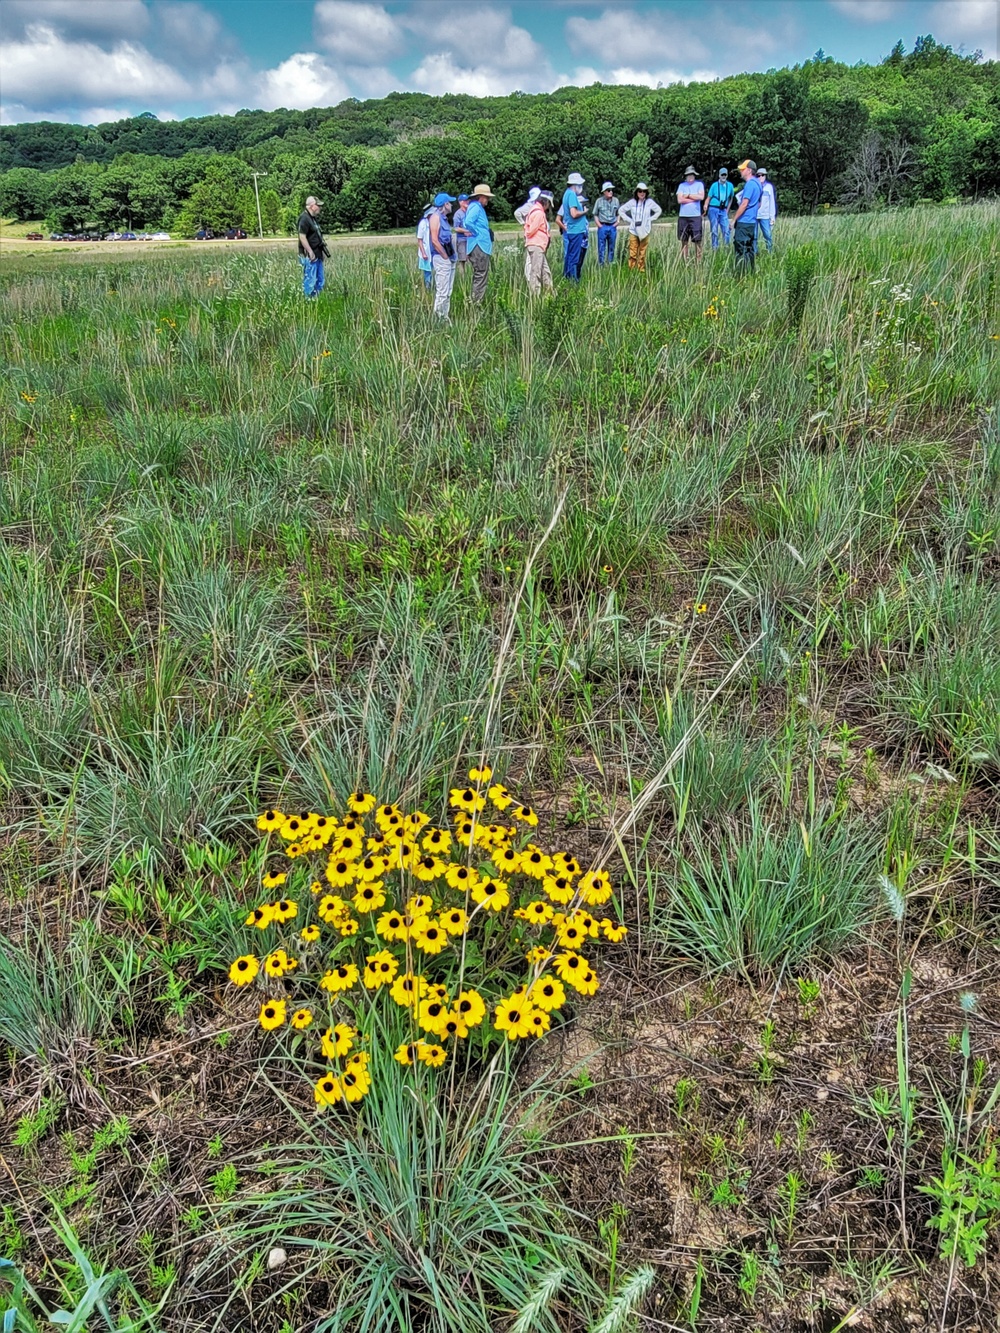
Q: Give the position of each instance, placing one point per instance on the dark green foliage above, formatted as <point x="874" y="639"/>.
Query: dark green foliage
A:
<point x="800" y="267"/>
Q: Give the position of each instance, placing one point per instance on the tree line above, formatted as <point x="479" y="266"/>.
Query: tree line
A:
<point x="920" y="125"/>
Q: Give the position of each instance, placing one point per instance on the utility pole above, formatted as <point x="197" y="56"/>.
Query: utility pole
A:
<point x="256" y="191"/>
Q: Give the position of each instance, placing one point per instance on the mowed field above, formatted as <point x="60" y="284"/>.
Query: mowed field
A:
<point x="708" y="572"/>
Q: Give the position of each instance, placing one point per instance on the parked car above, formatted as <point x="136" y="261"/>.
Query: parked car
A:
<point x="206" y="234"/>
<point x="34" y="236"/>
<point x="236" y="234"/>
<point x="160" y="236"/>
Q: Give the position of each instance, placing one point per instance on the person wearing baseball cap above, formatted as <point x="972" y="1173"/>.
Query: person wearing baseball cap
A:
<point x="717" y="206"/>
<point x="745" y="219"/>
<point x="312" y="249"/>
<point x="575" y="220"/>
<point x="480" y="239"/>
<point x="460" y="234"/>
<point x="442" y="253"/>
<point x="690" y="196"/>
<point x="605" y="214"/>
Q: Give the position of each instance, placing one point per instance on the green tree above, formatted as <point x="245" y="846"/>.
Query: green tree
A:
<point x="216" y="200"/>
<point x="24" y="193"/>
<point x="637" y="161"/>
<point x="270" y="211"/>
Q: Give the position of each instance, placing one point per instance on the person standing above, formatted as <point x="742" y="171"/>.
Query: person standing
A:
<point x="424" y="262"/>
<point x="717" y="206"/>
<point x="767" y="209"/>
<point x="606" y="217"/>
<point x="575" y="219"/>
<point x="480" y="240"/>
<point x="460" y="234"/>
<point x="638" y="214"/>
<point x="690" y="196"/>
<point x="745" y="219"/>
<point x="442" y="254"/>
<point x="312" y="249"/>
<point x="537" y="234"/>
<point x="520" y="214"/>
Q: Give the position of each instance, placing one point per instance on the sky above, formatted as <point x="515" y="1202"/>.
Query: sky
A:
<point x="89" y="61"/>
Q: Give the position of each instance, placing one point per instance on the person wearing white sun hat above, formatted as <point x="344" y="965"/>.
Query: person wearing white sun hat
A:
<point x="575" y="217"/>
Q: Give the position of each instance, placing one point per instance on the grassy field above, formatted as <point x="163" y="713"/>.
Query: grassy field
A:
<point x="708" y="572"/>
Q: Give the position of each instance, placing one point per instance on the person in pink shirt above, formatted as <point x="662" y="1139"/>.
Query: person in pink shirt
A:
<point x="536" y="241"/>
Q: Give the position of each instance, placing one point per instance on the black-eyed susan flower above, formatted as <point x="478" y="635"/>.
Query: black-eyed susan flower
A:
<point x="274" y="879"/>
<point x="595" y="887"/>
<point x="380" y="969"/>
<point x="261" y="917"/>
<point x="315" y="887"/>
<point x="348" y="927"/>
<point x="408" y="990"/>
<point x="270" y="820"/>
<point x="513" y="1016"/>
<point x="460" y="877"/>
<point x="525" y="815"/>
<point x="437" y="841"/>
<point x="613" y="932"/>
<point x="337" y="1041"/>
<point x="588" y="984"/>
<point x="535" y="862"/>
<point x="564" y="864"/>
<point x="570" y="935"/>
<point x="428" y="868"/>
<point x="387" y="812"/>
<point x="277" y="963"/>
<point x="431" y="1013"/>
<point x="430" y="938"/>
<point x="293" y="828"/>
<point x="295" y="849"/>
<point x="431" y="1054"/>
<point x="332" y="908"/>
<point x="507" y="861"/>
<point x="370" y="897"/>
<point x="328" y="1091"/>
<point x="309" y="934"/>
<point x="353" y="825"/>
<point x="408" y="1052"/>
<point x="340" y="978"/>
<point x="480" y="775"/>
<point x="471" y="1008"/>
<point x="547" y="993"/>
<point x="392" y="926"/>
<point x="284" y="910"/>
<point x="421" y="904"/>
<point x="540" y="1022"/>
<point x="301" y="1019"/>
<point x="377" y="843"/>
<point x="570" y="967"/>
<point x="371" y="867"/>
<point x="243" y="970"/>
<point x="455" y="921"/>
<point x="360" y="802"/>
<point x="539" y="954"/>
<point x="500" y="796"/>
<point x="467" y="800"/>
<point x="416" y="821"/>
<point x="340" y="872"/>
<point x="559" y="888"/>
<point x="537" y="913"/>
<point x="492" y="894"/>
<point x="453" y="1025"/>
<point x="347" y="847"/>
<point x="272" y="1015"/>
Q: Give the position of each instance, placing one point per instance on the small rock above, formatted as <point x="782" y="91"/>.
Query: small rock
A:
<point x="276" y="1259"/>
<point x="822" y="1094"/>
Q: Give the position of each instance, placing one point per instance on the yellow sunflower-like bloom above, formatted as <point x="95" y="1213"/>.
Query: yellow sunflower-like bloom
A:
<point x="380" y="969"/>
<point x="421" y="904"/>
<point x="284" y="910"/>
<point x="460" y="877"/>
<point x="453" y="1025"/>
<point x="360" y="802"/>
<point x="370" y="897"/>
<point x="261" y="917"/>
<point x="293" y="828"/>
<point x="547" y="993"/>
<point x="467" y="800"/>
<point x="340" y="872"/>
<point x="392" y="926"/>
<point x="500" y="796"/>
<point x="559" y="888"/>
<point x="437" y="841"/>
<point x="309" y="934"/>
<point x="471" y="1008"/>
<point x="431" y="1055"/>
<point x="301" y="1019"/>
<point x="243" y="970"/>
<point x="348" y="846"/>
<point x="428" y="868"/>
<point x="272" y="1015"/>
<point x="513" y="1016"/>
<point x="340" y="978"/>
<point x="492" y="894"/>
<point x="540" y="1022"/>
<point x="525" y="815"/>
<point x="612" y="932"/>
<point x="408" y="990"/>
<point x="455" y="921"/>
<point x="430" y="938"/>
<point x="480" y="774"/>
<point x="274" y="879"/>
<point x="595" y="888"/>
<point x="337" y="1041"/>
<point x="328" y="1091"/>
<point x="537" y="913"/>
<point x="356" y="1084"/>
<point x="270" y="820"/>
<point x="431" y="1013"/>
<point x="507" y="861"/>
<point x="535" y="862"/>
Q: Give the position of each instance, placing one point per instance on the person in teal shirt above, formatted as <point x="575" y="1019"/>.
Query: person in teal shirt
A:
<point x="479" y="239"/>
<point x="717" y="206"/>
<point x="575" y="237"/>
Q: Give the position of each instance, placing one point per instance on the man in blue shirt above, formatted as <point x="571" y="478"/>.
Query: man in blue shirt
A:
<point x="745" y="220"/>
<point x="575" y="217"/>
<point x="480" y="240"/>
<point x="717" y="206"/>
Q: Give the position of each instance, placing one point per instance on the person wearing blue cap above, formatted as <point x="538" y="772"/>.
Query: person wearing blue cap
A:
<point x="717" y="206"/>
<point x="442" y="254"/>
<point x="460" y="233"/>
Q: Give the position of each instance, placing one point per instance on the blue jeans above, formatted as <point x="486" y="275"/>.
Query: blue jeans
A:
<point x="606" y="240"/>
<point x="573" y="255"/>
<point x="312" y="276"/>
<point x="764" y="227"/>
<point x="718" y="221"/>
<point x="744" y="236"/>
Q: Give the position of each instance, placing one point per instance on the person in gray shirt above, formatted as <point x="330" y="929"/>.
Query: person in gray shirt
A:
<point x="605" y="214"/>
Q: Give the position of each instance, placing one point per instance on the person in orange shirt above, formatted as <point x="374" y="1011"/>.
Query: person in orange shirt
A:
<point x="537" y="233"/>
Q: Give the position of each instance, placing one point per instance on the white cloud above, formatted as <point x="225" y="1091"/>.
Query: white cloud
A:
<point x="46" y="69"/>
<point x="625" y="37"/>
<point x="363" y="33"/>
<point x="868" y="11"/>
<point x="475" y="32"/>
<point x="440" y="73"/>
<point x="657" y="78"/>
<point x="303" y="80"/>
<point x="121" y="19"/>
<point x="189" y="32"/>
<point x="974" y="22"/>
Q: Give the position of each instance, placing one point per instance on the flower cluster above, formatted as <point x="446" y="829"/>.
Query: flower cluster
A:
<point x="381" y="900"/>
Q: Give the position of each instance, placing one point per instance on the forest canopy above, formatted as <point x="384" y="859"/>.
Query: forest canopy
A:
<point x="921" y="125"/>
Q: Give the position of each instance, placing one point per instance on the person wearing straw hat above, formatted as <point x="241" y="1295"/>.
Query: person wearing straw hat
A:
<point x="638" y="214"/>
<point x="690" y="196"/>
<point x="480" y="239"/>
<point x="574" y="215"/>
<point x="605" y="214"/>
<point x="442" y="254"/>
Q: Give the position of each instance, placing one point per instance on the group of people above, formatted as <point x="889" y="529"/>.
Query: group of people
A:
<point x="451" y="238"/>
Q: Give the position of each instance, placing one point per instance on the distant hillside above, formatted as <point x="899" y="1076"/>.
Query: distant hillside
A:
<point x="921" y="124"/>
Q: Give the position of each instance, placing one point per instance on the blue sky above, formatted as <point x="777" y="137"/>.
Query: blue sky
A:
<point x="95" y="60"/>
